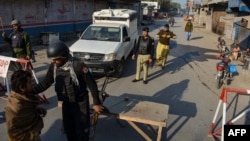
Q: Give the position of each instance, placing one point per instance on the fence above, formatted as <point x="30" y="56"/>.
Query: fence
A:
<point x="219" y="133"/>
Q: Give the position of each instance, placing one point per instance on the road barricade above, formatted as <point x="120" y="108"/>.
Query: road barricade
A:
<point x="26" y="65"/>
<point x="219" y="132"/>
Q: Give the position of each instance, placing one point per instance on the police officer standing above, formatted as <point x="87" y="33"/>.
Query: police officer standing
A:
<point x="163" y="47"/>
<point x="72" y="78"/>
<point x="145" y="48"/>
<point x="19" y="41"/>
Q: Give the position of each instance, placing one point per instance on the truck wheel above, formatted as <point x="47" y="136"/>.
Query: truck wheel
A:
<point x="118" y="68"/>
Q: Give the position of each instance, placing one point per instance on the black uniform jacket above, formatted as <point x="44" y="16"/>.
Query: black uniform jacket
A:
<point x="65" y="88"/>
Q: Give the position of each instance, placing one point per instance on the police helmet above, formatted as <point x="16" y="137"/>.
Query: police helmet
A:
<point x="15" y="22"/>
<point x="57" y="50"/>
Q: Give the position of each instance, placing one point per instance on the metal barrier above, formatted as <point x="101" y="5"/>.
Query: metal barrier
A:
<point x="26" y="64"/>
<point x="219" y="133"/>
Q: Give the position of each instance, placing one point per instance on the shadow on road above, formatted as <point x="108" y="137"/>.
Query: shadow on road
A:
<point x="53" y="134"/>
<point x="171" y="96"/>
<point x="195" y="38"/>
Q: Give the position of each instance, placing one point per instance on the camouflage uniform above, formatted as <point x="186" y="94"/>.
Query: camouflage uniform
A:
<point x="20" y="44"/>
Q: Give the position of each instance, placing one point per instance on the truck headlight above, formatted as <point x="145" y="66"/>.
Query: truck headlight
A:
<point x="110" y="57"/>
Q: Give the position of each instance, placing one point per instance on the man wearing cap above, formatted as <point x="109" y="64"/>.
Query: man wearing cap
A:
<point x="189" y="28"/>
<point x="163" y="48"/>
<point x="145" y="48"/>
<point x="19" y="41"/>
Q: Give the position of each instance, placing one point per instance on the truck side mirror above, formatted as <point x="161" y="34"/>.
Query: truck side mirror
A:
<point x="126" y="39"/>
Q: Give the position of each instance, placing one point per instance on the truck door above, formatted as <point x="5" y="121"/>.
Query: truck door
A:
<point x="125" y="43"/>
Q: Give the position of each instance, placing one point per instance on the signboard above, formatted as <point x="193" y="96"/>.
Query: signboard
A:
<point x="4" y="66"/>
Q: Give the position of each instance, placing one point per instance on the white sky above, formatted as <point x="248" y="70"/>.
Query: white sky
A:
<point x="182" y="2"/>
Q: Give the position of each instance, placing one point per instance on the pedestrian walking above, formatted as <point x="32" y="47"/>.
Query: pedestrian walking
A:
<point x="171" y="21"/>
<point x="23" y="116"/>
<point x="145" y="48"/>
<point x="163" y="46"/>
<point x="72" y="81"/>
<point x="189" y="28"/>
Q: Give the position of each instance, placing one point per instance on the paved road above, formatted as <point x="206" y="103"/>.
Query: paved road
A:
<point x="187" y="85"/>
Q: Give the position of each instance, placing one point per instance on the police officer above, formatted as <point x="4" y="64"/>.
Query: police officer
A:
<point x="163" y="47"/>
<point x="19" y="41"/>
<point x="71" y="77"/>
<point x="145" y="48"/>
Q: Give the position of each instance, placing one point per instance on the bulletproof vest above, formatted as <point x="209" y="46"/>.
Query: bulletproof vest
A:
<point x="143" y="45"/>
<point x="17" y="40"/>
<point x="66" y="89"/>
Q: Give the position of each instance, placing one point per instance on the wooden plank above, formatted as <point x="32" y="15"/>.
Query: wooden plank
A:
<point x="147" y="112"/>
<point x="159" y="133"/>
<point x="140" y="111"/>
<point x="145" y="136"/>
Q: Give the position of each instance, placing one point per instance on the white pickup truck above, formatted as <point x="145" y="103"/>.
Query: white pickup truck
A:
<point x="105" y="45"/>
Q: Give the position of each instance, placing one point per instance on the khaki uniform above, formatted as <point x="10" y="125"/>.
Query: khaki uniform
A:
<point x="145" y="48"/>
<point x="163" y="47"/>
<point x="142" y="63"/>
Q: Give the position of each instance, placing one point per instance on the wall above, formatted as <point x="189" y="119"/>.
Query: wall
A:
<point x="242" y="34"/>
<point x="39" y="16"/>
<point x="200" y="16"/>
<point x="218" y="26"/>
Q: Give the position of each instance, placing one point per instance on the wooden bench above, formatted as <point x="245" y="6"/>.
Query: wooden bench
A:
<point x="145" y="112"/>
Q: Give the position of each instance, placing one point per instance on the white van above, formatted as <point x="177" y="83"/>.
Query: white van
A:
<point x="106" y="44"/>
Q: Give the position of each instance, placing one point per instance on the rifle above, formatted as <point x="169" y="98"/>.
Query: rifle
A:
<point x="102" y="95"/>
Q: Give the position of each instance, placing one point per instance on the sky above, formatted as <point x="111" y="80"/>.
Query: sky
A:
<point x="182" y="2"/>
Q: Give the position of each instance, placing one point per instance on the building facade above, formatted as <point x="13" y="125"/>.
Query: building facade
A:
<point x="227" y="18"/>
<point x="55" y="16"/>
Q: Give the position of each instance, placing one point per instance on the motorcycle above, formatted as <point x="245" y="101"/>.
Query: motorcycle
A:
<point x="223" y="75"/>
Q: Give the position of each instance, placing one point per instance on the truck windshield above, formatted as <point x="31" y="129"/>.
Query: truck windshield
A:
<point x="102" y="33"/>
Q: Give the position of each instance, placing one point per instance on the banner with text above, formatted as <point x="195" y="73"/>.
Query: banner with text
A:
<point x="4" y="66"/>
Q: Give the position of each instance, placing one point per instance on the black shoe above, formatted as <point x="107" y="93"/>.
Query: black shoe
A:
<point x="162" y="67"/>
<point x="145" y="82"/>
<point x="135" y="80"/>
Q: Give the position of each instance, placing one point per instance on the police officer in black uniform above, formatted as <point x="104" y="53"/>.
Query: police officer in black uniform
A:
<point x="145" y="48"/>
<point x="71" y="77"/>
